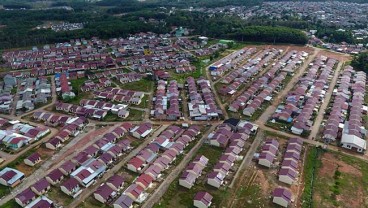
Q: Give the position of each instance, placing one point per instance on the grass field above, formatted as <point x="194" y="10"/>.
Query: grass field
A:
<point x="144" y="85"/>
<point x="4" y="190"/>
<point x="11" y="204"/>
<point x="341" y="181"/>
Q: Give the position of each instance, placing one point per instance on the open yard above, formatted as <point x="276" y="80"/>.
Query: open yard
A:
<point x="144" y="85"/>
<point x="341" y="181"/>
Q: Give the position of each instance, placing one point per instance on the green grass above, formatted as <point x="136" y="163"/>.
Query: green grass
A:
<point x="4" y="190"/>
<point x="91" y="202"/>
<point x="11" y="204"/>
<point x="135" y="115"/>
<point x="144" y="85"/>
<point x="59" y="197"/>
<point x="311" y="165"/>
<point x="343" y="187"/>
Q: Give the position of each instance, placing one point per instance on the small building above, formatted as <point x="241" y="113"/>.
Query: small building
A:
<point x="265" y="159"/>
<point x="215" y="179"/>
<point x="33" y="159"/>
<point x="41" y="187"/>
<point x="104" y="193"/>
<point x="202" y="199"/>
<point x="55" y="177"/>
<point x="71" y="187"/>
<point x="353" y="142"/>
<point x="10" y="177"/>
<point x="123" y="201"/>
<point x="116" y="182"/>
<point x="281" y="196"/>
<point x="25" y="197"/>
<point x="287" y="175"/>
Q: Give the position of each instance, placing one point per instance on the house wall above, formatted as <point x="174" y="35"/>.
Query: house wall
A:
<point x="132" y="168"/>
<point x="286" y="179"/>
<point x="264" y="162"/>
<point x="280" y="201"/>
<point x="199" y="204"/>
<point x="185" y="184"/>
<point x="213" y="183"/>
<point x="28" y="162"/>
<point x="99" y="198"/>
<point x="65" y="190"/>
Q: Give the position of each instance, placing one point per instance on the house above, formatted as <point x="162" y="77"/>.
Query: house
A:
<point x="71" y="187"/>
<point x="265" y="159"/>
<point x="287" y="175"/>
<point x="187" y="179"/>
<point x="33" y="159"/>
<point x="281" y="196"/>
<point x="116" y="182"/>
<point x="55" y="177"/>
<point x="41" y="187"/>
<point x="353" y="142"/>
<point x="54" y="143"/>
<point x="135" y="164"/>
<point x="142" y="130"/>
<point x="135" y="192"/>
<point x="87" y="173"/>
<point x="144" y="181"/>
<point x="123" y="201"/>
<point x="215" y="179"/>
<point x="10" y="177"/>
<point x="25" y="197"/>
<point x="41" y="202"/>
<point x="154" y="171"/>
<point x="104" y="193"/>
<point x="67" y="167"/>
<point x="202" y="199"/>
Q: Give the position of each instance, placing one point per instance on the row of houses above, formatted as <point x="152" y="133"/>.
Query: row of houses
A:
<point x="287" y="61"/>
<point x="73" y="55"/>
<point x="288" y="172"/>
<point x="88" y="111"/>
<point x="202" y="104"/>
<point x="166" y="101"/>
<point x="264" y="95"/>
<point x="7" y="85"/>
<point x="63" y="86"/>
<point x="230" y="62"/>
<point x="253" y="66"/>
<point x="21" y="134"/>
<point x="212" y="49"/>
<point x="90" y="85"/>
<point x="51" y="119"/>
<point x="193" y="171"/>
<point x="151" y="164"/>
<point x="268" y="153"/>
<point x="312" y="97"/>
<point x="345" y="120"/>
<point x="71" y="128"/>
<point x="120" y="95"/>
<point x="92" y="162"/>
<point x="342" y="95"/>
<point x="33" y="91"/>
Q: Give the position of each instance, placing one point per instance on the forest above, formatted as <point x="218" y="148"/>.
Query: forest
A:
<point x="360" y="62"/>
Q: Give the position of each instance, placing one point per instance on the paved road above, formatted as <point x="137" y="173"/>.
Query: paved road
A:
<point x="317" y="123"/>
<point x="160" y="191"/>
<point x="89" y="191"/>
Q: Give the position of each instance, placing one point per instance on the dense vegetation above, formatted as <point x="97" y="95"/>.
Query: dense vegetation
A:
<point x="360" y="62"/>
<point x="311" y="165"/>
<point x="271" y="35"/>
